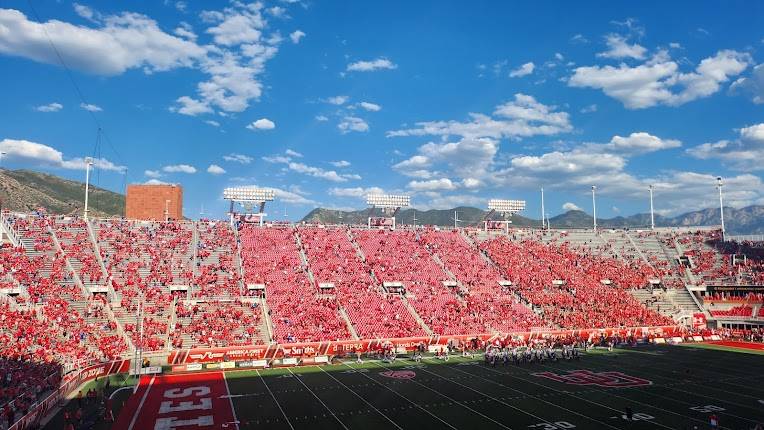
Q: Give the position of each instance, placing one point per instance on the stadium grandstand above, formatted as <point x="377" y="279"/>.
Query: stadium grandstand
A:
<point x="117" y="295"/>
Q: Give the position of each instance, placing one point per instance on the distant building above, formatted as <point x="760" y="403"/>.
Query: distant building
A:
<point x="154" y="202"/>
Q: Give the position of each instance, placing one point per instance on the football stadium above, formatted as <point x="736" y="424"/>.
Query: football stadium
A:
<point x="417" y="215"/>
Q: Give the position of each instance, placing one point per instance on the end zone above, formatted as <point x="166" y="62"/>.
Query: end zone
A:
<point x="173" y="401"/>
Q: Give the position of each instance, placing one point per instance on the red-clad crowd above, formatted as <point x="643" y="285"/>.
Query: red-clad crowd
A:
<point x="486" y="305"/>
<point x="216" y="273"/>
<point x="332" y="258"/>
<point x="270" y="256"/>
<point x="218" y="324"/>
<point x="572" y="289"/>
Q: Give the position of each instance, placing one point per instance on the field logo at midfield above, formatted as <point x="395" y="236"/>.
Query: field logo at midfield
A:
<point x="399" y="374"/>
<point x="601" y="379"/>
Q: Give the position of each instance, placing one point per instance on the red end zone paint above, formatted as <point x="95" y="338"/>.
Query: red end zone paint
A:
<point x="741" y="345"/>
<point x="179" y="402"/>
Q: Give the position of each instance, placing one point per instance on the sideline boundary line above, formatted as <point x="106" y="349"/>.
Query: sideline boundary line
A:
<point x="140" y="405"/>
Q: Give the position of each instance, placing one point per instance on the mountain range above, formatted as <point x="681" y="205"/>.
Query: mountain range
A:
<point x="747" y="220"/>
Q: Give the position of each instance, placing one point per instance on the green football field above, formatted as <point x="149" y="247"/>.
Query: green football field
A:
<point x="666" y="387"/>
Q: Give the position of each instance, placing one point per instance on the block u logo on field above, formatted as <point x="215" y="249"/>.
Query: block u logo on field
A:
<point x="600" y="379"/>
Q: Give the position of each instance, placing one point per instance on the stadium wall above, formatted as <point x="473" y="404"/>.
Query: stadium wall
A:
<point x="148" y="202"/>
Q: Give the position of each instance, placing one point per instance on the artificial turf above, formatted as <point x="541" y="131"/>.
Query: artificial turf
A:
<point x="687" y="386"/>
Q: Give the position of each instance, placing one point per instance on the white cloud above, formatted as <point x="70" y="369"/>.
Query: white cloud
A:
<point x="90" y="107"/>
<point x="340" y="163"/>
<point x="442" y="184"/>
<point x="371" y="107"/>
<point x="745" y="153"/>
<point x="186" y="31"/>
<point x="296" y="36"/>
<point x="50" y="107"/>
<point x="522" y="117"/>
<point x="752" y="85"/>
<point x="212" y="123"/>
<point x="262" y="124"/>
<point x="618" y="47"/>
<point x="357" y="192"/>
<point x="568" y="206"/>
<point x="123" y="42"/>
<point x="579" y="39"/>
<point x="338" y="100"/>
<point x="638" y="143"/>
<point x="152" y="173"/>
<point x="322" y="118"/>
<point x="190" y="106"/>
<point x="371" y="65"/>
<point x="215" y="169"/>
<point x="471" y="183"/>
<point x="292" y="153"/>
<point x="278" y="12"/>
<point x="238" y="158"/>
<point x="524" y="70"/>
<point x="352" y="123"/>
<point x="589" y="109"/>
<point x="26" y="152"/>
<point x="179" y="168"/>
<point x="239" y="26"/>
<point x="659" y="81"/>
<point x="316" y="172"/>
<point x="85" y="12"/>
<point x="155" y="182"/>
<point x="117" y="43"/>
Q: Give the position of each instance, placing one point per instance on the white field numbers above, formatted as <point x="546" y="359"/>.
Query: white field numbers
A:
<point x="706" y="409"/>
<point x="639" y="416"/>
<point x="553" y="426"/>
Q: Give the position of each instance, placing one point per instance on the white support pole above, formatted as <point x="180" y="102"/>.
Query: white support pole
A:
<point x="721" y="205"/>
<point x="542" y="208"/>
<point x="88" y="163"/>
<point x="166" y="210"/>
<point x="652" y="213"/>
<point x="594" y="206"/>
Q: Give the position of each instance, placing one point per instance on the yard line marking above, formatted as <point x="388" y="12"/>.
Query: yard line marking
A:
<point x="451" y="399"/>
<point x="404" y="398"/>
<point x="319" y="399"/>
<point x="140" y="405"/>
<point x="528" y="395"/>
<point x="615" y="395"/>
<point x="716" y="399"/>
<point x="361" y="397"/>
<point x="228" y="393"/>
<point x="274" y="399"/>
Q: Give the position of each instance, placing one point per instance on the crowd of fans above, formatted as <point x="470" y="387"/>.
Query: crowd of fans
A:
<point x="572" y="289"/>
<point x="333" y="259"/>
<point x="270" y="256"/>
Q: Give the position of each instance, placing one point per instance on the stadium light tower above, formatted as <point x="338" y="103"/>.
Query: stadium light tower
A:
<point x="594" y="206"/>
<point x="542" y="208"/>
<point x="504" y="207"/>
<point x="390" y="205"/>
<point x="720" y="184"/>
<point x="652" y="212"/>
<point x="248" y="198"/>
<point x="88" y="163"/>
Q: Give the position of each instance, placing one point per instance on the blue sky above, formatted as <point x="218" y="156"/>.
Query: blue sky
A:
<point x="452" y="103"/>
